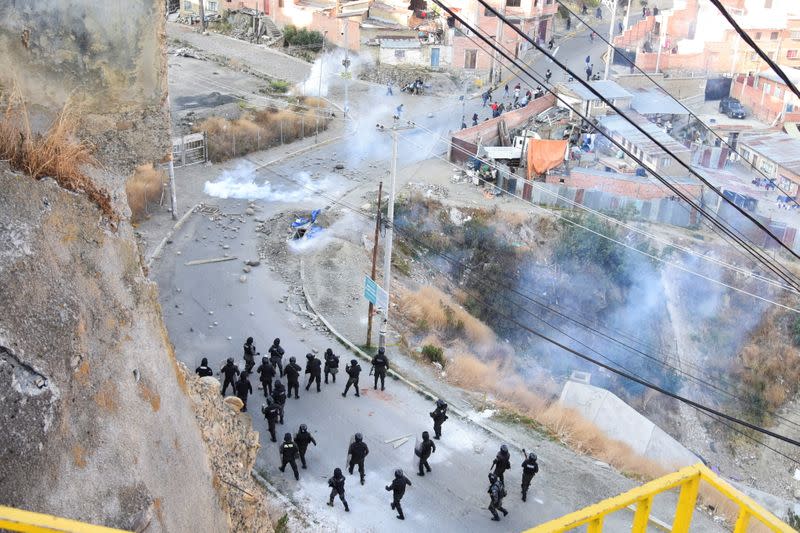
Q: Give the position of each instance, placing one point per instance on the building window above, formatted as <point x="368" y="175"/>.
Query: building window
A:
<point x="773" y="36"/>
<point x="767" y="88"/>
<point x="795" y="35"/>
<point x="791" y="54"/>
<point x="778" y="92"/>
<point x="187" y="5"/>
<point x="758" y="36"/>
<point x="212" y="6"/>
<point x="487" y="13"/>
<point x="767" y="167"/>
<point x="513" y="3"/>
<point x="399" y="54"/>
<point x="746" y="155"/>
<point x="665" y="161"/>
<point x="470" y="58"/>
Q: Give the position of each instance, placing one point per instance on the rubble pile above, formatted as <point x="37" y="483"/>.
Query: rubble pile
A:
<point x="232" y="448"/>
<point x="399" y="76"/>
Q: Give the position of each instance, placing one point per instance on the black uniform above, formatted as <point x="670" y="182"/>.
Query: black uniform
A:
<point x="314" y="369"/>
<point x="380" y="363"/>
<point x="288" y="455"/>
<point x="336" y="483"/>
<point x="439" y="416"/>
<point x="357" y="452"/>
<point x="303" y="439"/>
<point x="398" y="488"/>
<point x="331" y="365"/>
<point x="204" y="370"/>
<point x="529" y="469"/>
<point x="249" y="355"/>
<point x="271" y="412"/>
<point x="266" y="374"/>
<point x="426" y="448"/>
<point x="276" y="356"/>
<point x="292" y="372"/>
<point x="279" y="395"/>
<point x="501" y="463"/>
<point x="243" y="389"/>
<point x="497" y="492"/>
<point x="353" y="370"/>
<point x="230" y="371"/>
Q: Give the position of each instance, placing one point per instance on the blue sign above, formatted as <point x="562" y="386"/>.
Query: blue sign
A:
<point x="375" y="294"/>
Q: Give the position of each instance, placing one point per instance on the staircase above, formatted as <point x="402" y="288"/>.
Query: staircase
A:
<point x="271" y="30"/>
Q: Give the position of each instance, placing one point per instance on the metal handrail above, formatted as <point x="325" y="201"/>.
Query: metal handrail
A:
<point x="688" y="479"/>
<point x="18" y="520"/>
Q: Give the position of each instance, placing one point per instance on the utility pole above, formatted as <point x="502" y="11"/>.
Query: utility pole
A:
<point x="387" y="253"/>
<point x="627" y="16"/>
<point x="374" y="263"/>
<point x="498" y="38"/>
<point x="319" y="86"/>
<point x="610" y="57"/>
<point x="346" y="63"/>
<point x="202" y="16"/>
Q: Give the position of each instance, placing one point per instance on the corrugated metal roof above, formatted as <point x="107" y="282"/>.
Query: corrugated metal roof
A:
<point x="655" y="101"/>
<point x="779" y="148"/>
<point x="616" y="123"/>
<point x="609" y="89"/>
<point x="503" y="152"/>
<point x="400" y="43"/>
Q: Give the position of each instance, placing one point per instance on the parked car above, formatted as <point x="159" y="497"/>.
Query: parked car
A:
<point x="732" y="107"/>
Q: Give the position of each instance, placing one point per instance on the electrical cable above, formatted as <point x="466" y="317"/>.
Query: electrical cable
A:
<point x="676" y="100"/>
<point x="622" y="373"/>
<point x="743" y="34"/>
<point x="755" y="253"/>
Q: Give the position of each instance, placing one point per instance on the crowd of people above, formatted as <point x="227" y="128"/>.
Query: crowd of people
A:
<point x="294" y="447"/>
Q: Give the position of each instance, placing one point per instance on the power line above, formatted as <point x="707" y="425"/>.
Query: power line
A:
<point x="777" y="269"/>
<point x="623" y="373"/>
<point x="633" y="64"/>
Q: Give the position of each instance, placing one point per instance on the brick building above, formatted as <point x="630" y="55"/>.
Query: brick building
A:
<point x="767" y="97"/>
<point x="776" y="154"/>
<point x="628" y="185"/>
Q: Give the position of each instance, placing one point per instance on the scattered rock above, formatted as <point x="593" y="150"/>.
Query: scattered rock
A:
<point x="249" y="211"/>
<point x="242" y="278"/>
<point x="252" y="262"/>
<point x="246" y="269"/>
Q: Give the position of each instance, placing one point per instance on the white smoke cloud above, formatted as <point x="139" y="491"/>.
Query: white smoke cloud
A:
<point x="243" y="182"/>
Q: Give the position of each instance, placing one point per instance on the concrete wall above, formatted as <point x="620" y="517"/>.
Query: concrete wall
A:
<point x="765" y="99"/>
<point x="411" y="56"/>
<point x="620" y="421"/>
<point x="106" y="57"/>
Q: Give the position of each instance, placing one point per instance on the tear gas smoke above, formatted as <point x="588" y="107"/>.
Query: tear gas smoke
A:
<point x="243" y="182"/>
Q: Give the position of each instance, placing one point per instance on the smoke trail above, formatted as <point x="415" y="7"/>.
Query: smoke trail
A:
<point x="243" y="182"/>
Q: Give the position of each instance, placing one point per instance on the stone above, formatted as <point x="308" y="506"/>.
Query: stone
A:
<point x="234" y="402"/>
<point x="211" y="382"/>
<point x="242" y="278"/>
<point x="249" y="211"/>
<point x="252" y="262"/>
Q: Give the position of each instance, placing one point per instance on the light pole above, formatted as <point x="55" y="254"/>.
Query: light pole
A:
<point x="319" y="85"/>
<point x="387" y="253"/>
<point x="610" y="57"/>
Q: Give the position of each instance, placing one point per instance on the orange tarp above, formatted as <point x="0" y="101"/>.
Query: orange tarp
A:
<point x="544" y="155"/>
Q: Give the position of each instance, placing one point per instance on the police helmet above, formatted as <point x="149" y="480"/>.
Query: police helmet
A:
<point x="276" y="342"/>
<point x="264" y="359"/>
<point x="328" y="352"/>
<point x="492" y="477"/>
<point x="532" y="456"/>
<point x="337" y="472"/>
<point x="292" y="359"/>
<point x="381" y="350"/>
<point x="230" y="359"/>
<point x="309" y="356"/>
<point x="440" y="403"/>
<point x="287" y="437"/>
<point x="359" y="437"/>
<point x="504" y="448"/>
<point x="398" y="473"/>
<point x="353" y="361"/>
<point x="303" y="428"/>
<point x="249" y="340"/>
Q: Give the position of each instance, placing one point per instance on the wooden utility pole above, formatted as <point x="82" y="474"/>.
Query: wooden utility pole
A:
<point x="202" y="16"/>
<point x="374" y="263"/>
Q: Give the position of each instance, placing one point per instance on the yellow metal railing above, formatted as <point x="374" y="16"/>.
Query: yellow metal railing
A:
<point x="17" y="520"/>
<point x="641" y="499"/>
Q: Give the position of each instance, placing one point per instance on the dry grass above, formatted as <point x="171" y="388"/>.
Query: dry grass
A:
<point x="261" y="129"/>
<point x="56" y="153"/>
<point x="144" y="188"/>
<point x="433" y="310"/>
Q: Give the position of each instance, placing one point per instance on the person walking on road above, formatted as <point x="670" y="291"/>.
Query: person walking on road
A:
<point x="357" y="452"/>
<point x="288" y="451"/>
<point x="516" y="95"/>
<point x="569" y="22"/>
<point x="276" y="356"/>
<point x="502" y="462"/>
<point x="588" y="60"/>
<point x="229" y="371"/>
<point x="303" y="438"/>
<point x="550" y="44"/>
<point x="584" y="9"/>
<point x="548" y="75"/>
<point x="266" y="373"/>
<point x="331" y="365"/>
<point x="243" y="389"/>
<point x="249" y="355"/>
<point x="292" y="372"/>
<point x="505" y="91"/>
<point x="474" y="119"/>
<point x="589" y="72"/>
<point x="529" y="469"/>
<point x="426" y="448"/>
<point x="204" y="370"/>
<point x="592" y="36"/>
<point x="353" y="370"/>
<point x="398" y="488"/>
<point x="598" y="13"/>
<point x="279" y="395"/>
<point x="380" y="364"/>
<point x="336" y="483"/>
<point x="497" y="492"/>
<point x="399" y="112"/>
<point x="439" y="416"/>
<point x="389" y="89"/>
<point x="314" y="369"/>
<point x="271" y="412"/>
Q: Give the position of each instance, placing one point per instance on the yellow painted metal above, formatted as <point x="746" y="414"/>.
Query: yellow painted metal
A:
<point x="686" y="502"/>
<point x="596" y="525"/>
<point x="688" y="479"/>
<point x="17" y="520"/>
<point x="642" y="515"/>
<point x="742" y="521"/>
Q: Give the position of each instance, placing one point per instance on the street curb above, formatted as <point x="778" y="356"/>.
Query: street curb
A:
<point x="413" y="385"/>
<point x="157" y="252"/>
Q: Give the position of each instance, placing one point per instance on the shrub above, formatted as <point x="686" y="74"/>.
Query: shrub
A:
<point x="434" y="354"/>
<point x="279" y="86"/>
<point x="143" y="188"/>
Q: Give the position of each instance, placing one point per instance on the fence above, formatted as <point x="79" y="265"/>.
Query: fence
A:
<point x="688" y="480"/>
<point x="189" y="150"/>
